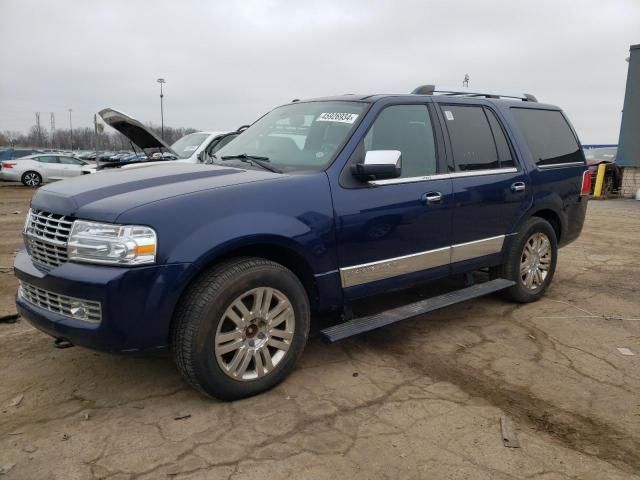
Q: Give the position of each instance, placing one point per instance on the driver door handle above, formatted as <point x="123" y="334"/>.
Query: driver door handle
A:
<point x="432" y="198"/>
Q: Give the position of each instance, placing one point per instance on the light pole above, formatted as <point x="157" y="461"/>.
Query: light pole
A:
<point x="71" y="128"/>
<point x="161" y="81"/>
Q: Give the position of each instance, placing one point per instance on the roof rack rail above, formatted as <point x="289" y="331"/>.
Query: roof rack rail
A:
<point x="431" y="89"/>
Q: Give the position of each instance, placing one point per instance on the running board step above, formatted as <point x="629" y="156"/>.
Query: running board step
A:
<point x="371" y="322"/>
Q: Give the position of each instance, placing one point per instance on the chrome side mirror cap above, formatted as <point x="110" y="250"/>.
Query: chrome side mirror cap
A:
<point x="378" y="165"/>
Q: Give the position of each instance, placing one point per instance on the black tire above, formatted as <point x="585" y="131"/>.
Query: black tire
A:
<point x="607" y="188"/>
<point x="515" y="255"/>
<point x="202" y="309"/>
<point x="31" y="179"/>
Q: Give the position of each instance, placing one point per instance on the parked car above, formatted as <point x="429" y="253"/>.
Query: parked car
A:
<point x="187" y="149"/>
<point x="104" y="156"/>
<point x="35" y="170"/>
<point x="13" y="153"/>
<point x="613" y="173"/>
<point x="316" y="205"/>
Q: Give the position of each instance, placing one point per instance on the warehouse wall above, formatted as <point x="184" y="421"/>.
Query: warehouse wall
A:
<point x="629" y="144"/>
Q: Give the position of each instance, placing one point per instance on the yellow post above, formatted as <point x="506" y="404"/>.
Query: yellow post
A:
<point x="597" y="191"/>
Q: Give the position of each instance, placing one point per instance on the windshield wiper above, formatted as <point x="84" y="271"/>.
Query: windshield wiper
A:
<point x="254" y="160"/>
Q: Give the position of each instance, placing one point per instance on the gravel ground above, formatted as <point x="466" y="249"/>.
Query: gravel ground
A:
<point x="421" y="399"/>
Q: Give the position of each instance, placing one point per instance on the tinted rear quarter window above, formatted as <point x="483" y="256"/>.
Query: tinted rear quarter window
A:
<point x="548" y="135"/>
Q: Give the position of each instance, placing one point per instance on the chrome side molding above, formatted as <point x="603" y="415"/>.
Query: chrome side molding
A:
<point x="393" y="267"/>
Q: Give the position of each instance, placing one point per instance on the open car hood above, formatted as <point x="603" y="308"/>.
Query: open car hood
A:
<point x="134" y="130"/>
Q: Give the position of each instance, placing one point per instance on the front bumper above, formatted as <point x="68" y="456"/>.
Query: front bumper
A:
<point x="137" y="303"/>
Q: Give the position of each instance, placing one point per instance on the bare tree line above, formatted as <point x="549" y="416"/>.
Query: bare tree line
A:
<point x="84" y="138"/>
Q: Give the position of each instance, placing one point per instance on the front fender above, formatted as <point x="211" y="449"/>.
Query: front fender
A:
<point x="243" y="229"/>
<point x="295" y="212"/>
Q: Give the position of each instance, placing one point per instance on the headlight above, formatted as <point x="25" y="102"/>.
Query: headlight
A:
<point x="112" y="244"/>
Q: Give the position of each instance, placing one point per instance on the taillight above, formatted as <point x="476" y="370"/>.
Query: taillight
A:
<point x="586" y="183"/>
<point x="8" y="165"/>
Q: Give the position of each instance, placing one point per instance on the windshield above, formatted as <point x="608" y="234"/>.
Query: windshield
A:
<point x="188" y="144"/>
<point x="299" y="136"/>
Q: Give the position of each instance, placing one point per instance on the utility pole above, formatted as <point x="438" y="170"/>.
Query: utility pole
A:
<point x="52" y="119"/>
<point x="161" y="81"/>
<point x="465" y="82"/>
<point x="38" y="129"/>
<point x="70" y="129"/>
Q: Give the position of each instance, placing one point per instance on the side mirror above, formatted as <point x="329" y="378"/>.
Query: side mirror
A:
<point x="378" y="165"/>
<point x="202" y="157"/>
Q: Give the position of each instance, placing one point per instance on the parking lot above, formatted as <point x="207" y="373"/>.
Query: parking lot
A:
<point x="421" y="399"/>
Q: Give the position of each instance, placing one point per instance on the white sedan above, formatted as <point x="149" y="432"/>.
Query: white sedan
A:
<point x="35" y="170"/>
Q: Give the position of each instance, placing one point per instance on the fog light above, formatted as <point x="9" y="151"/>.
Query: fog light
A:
<point x="78" y="310"/>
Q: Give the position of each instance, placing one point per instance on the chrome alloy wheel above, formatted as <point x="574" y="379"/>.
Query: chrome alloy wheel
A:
<point x="31" y="179"/>
<point x="255" y="334"/>
<point x="535" y="261"/>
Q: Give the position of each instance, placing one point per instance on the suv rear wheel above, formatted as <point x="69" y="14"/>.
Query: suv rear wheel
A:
<point x="240" y="328"/>
<point x="531" y="261"/>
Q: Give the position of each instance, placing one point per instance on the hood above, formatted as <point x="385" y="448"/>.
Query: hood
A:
<point x="104" y="195"/>
<point x="135" y="131"/>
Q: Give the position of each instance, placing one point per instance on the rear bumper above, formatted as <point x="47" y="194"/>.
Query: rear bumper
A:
<point x="7" y="175"/>
<point x="136" y="303"/>
<point x="574" y="221"/>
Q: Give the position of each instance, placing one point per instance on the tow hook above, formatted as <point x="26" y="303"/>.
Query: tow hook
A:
<point x="62" y="343"/>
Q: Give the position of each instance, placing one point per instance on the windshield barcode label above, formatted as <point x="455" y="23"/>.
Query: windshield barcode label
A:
<point x="337" y="117"/>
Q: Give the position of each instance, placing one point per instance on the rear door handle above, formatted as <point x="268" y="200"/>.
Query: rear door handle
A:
<point x="518" y="187"/>
<point x="432" y="198"/>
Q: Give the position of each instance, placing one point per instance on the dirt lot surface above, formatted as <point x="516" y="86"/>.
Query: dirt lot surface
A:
<point x="421" y="399"/>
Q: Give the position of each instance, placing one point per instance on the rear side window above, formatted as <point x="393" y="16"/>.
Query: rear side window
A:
<point x="69" y="161"/>
<point x="48" y="159"/>
<point x="471" y="138"/>
<point x="549" y="137"/>
<point x="502" y="145"/>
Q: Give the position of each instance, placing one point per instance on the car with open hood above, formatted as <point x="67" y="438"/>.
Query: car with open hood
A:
<point x="187" y="149"/>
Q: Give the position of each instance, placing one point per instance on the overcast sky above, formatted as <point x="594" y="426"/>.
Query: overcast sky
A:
<point x="227" y="62"/>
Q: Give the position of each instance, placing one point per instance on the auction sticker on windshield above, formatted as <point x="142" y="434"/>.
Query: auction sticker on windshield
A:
<point x="337" y="117"/>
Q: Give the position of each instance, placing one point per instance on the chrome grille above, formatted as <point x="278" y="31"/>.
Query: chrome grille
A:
<point x="46" y="237"/>
<point x="76" y="308"/>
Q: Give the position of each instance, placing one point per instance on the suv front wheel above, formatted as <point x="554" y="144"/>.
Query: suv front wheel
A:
<point x="240" y="328"/>
<point x="531" y="261"/>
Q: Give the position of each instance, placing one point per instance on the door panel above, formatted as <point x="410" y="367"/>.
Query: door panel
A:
<point x="491" y="190"/>
<point x="70" y="167"/>
<point x="400" y="229"/>
<point x="49" y="167"/>
<point x="486" y="205"/>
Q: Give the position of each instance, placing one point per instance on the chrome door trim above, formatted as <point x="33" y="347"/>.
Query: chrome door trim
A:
<point x="477" y="248"/>
<point x="479" y="173"/>
<point x="393" y="181"/>
<point x="441" y="176"/>
<point x="393" y="267"/>
<point x="556" y="165"/>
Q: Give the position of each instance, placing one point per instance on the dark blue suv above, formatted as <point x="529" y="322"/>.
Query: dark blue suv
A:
<point x="317" y="204"/>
